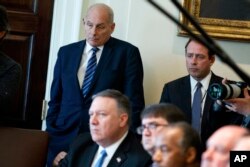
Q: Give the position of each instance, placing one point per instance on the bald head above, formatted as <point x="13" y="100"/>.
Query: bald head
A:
<point x="230" y="133"/>
<point x="243" y="144"/>
<point x="102" y="8"/>
<point x="220" y="144"/>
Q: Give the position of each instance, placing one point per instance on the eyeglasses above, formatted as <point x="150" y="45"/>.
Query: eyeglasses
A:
<point x="150" y="127"/>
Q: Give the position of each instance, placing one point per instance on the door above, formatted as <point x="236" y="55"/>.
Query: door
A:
<point x="28" y="44"/>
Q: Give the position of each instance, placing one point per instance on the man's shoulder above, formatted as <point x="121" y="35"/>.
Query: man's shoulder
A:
<point x="133" y="144"/>
<point x="215" y="78"/>
<point x="82" y="140"/>
<point x="7" y="62"/>
<point x="119" y="42"/>
<point x="132" y="147"/>
<point x="73" y="45"/>
<point x="178" y="81"/>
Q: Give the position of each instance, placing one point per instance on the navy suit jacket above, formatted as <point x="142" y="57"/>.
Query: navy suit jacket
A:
<point x="178" y="92"/>
<point x="130" y="153"/>
<point x="119" y="67"/>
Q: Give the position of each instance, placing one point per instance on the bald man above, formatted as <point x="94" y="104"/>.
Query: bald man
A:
<point x="220" y="144"/>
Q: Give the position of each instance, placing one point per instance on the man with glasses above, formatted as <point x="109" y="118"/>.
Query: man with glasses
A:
<point x="154" y="118"/>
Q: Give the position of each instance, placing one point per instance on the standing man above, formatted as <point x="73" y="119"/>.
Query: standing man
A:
<point x="109" y="135"/>
<point x="87" y="67"/>
<point x="181" y="92"/>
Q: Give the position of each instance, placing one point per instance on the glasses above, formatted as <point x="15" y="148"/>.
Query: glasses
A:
<point x="150" y="127"/>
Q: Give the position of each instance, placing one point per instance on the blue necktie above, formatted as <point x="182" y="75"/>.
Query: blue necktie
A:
<point x="90" y="71"/>
<point x="196" y="108"/>
<point x="101" y="159"/>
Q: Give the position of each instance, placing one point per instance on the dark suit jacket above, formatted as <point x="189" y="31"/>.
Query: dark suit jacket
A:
<point x="178" y="92"/>
<point x="120" y="67"/>
<point x="130" y="152"/>
<point x="10" y="77"/>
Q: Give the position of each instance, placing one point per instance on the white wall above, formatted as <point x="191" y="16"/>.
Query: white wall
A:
<point x="141" y="24"/>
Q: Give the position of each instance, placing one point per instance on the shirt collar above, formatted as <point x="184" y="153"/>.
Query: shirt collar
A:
<point x="113" y="147"/>
<point x="88" y="47"/>
<point x="205" y="82"/>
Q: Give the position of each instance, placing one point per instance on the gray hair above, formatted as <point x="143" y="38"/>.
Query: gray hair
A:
<point x="108" y="9"/>
<point x="122" y="101"/>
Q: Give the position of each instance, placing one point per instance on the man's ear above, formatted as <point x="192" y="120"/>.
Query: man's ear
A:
<point x="212" y="60"/>
<point x="191" y="155"/>
<point x="124" y="119"/>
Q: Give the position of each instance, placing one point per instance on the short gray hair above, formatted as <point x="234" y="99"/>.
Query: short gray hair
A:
<point x="122" y="101"/>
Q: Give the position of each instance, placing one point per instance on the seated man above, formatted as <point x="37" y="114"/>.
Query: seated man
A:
<point x="154" y="117"/>
<point x="178" y="145"/>
<point x="189" y="93"/>
<point x="220" y="144"/>
<point x="110" y="116"/>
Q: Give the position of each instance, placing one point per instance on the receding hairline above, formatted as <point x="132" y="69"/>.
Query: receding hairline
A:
<point x="103" y="7"/>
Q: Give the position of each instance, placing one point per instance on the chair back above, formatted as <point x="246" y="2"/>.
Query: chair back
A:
<point x="23" y="147"/>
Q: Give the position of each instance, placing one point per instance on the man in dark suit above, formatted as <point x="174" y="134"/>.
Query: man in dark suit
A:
<point x="119" y="67"/>
<point x="177" y="145"/>
<point x="10" y="72"/>
<point x="181" y="91"/>
<point x="109" y="130"/>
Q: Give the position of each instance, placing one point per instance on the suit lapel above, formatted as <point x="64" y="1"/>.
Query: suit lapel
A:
<point x="185" y="99"/>
<point x="120" y="155"/>
<point x="117" y="160"/>
<point x="209" y="103"/>
<point x="90" y="154"/>
<point x="77" y="56"/>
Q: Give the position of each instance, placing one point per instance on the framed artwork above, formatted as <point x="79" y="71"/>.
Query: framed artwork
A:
<point x="223" y="19"/>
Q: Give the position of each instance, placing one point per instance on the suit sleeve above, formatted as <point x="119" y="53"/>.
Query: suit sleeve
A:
<point x="133" y="86"/>
<point x="55" y="97"/>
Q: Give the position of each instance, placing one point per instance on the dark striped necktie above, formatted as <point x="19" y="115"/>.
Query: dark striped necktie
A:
<point x="90" y="71"/>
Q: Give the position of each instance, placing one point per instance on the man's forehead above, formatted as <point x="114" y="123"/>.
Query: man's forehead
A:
<point x="102" y="103"/>
<point x="169" y="135"/>
<point x="153" y="120"/>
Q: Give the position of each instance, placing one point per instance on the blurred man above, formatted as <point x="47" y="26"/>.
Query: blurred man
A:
<point x="243" y="144"/>
<point x="10" y="71"/>
<point x="110" y="115"/>
<point x="154" y="118"/>
<point x="220" y="144"/>
<point x="178" y="145"/>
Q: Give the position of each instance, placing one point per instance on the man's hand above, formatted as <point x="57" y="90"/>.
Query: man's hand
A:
<point x="240" y="105"/>
<point x="58" y="158"/>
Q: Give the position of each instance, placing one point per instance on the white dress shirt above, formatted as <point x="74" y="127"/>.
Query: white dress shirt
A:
<point x="87" y="52"/>
<point x="205" y="83"/>
<point x="110" y="151"/>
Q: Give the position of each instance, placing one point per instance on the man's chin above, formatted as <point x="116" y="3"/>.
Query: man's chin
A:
<point x="147" y="147"/>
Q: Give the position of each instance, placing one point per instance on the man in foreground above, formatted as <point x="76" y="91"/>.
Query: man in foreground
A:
<point x="110" y="116"/>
